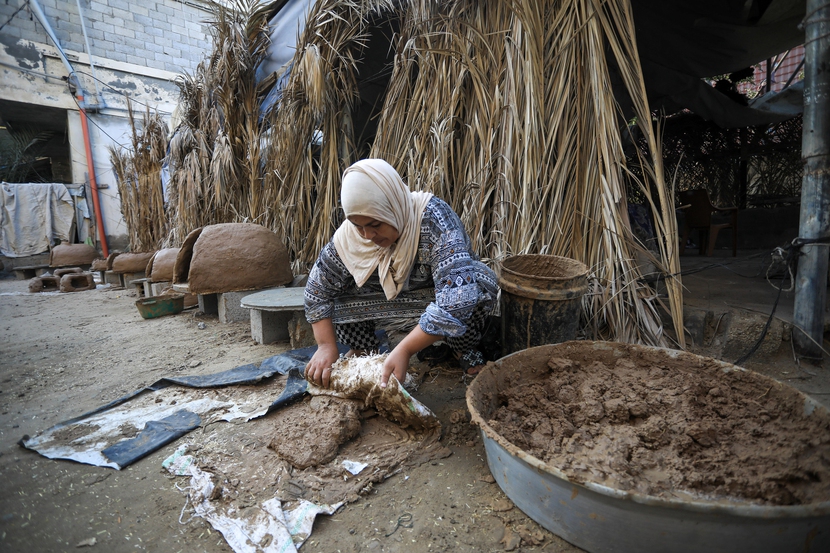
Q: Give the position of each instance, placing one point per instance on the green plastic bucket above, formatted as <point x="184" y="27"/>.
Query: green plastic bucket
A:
<point x="541" y="298"/>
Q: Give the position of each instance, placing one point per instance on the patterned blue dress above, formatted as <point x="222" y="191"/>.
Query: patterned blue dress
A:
<point x="450" y="291"/>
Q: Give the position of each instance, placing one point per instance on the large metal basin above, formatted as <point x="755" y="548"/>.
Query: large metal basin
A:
<point x="599" y="518"/>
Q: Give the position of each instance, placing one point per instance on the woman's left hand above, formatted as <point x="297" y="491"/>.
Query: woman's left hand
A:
<point x="396" y="363"/>
<point x="398" y="360"/>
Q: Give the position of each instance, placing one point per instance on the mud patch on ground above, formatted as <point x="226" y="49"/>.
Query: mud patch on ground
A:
<point x="311" y="436"/>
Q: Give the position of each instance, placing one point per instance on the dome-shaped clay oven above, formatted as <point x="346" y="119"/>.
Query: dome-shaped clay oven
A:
<point x="131" y="262"/>
<point x="232" y="257"/>
<point x="160" y="267"/>
<point x="66" y="255"/>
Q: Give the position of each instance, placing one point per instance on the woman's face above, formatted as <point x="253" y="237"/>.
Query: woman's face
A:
<point x="382" y="234"/>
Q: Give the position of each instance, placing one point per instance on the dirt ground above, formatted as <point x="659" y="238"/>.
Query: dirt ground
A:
<point x="63" y="355"/>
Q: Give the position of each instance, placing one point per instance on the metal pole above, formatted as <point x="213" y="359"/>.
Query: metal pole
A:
<point x="811" y="282"/>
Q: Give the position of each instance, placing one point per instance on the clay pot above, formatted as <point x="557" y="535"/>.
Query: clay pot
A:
<point x="160" y="267"/>
<point x="77" y="282"/>
<point x="232" y="257"/>
<point x="44" y="284"/>
<point x="66" y="255"/>
<point x="69" y="270"/>
<point x="131" y="262"/>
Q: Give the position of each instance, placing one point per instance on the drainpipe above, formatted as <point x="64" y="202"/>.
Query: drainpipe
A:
<point x="93" y="184"/>
<point x="814" y="222"/>
<point x="99" y="223"/>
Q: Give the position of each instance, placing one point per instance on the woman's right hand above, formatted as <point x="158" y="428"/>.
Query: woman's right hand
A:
<point x="318" y="370"/>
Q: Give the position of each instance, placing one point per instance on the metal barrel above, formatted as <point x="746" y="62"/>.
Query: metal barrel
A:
<point x="541" y="299"/>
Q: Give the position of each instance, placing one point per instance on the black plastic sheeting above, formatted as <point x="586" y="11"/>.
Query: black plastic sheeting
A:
<point x="156" y="434"/>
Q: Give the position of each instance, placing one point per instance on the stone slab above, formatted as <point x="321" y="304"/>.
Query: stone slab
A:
<point x="29" y="272"/>
<point x="276" y="299"/>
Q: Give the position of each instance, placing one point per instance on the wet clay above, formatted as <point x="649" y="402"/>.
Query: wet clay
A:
<point x="646" y="422"/>
<point x="181" y="267"/>
<point x="160" y="267"/>
<point x="309" y="441"/>
<point x="99" y="264"/>
<point x="235" y="256"/>
<point x="65" y="255"/>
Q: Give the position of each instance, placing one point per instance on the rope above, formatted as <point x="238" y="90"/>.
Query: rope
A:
<point x="792" y="252"/>
<point x="404" y="521"/>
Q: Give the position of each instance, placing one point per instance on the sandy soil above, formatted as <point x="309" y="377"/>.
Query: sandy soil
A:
<point x="63" y="355"/>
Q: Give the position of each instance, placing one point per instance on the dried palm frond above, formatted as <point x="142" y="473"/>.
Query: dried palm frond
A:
<point x="502" y="108"/>
<point x="519" y="94"/>
<point x="216" y="152"/>
<point x="139" y="181"/>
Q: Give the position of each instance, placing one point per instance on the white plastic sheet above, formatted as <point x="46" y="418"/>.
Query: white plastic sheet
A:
<point x="265" y="528"/>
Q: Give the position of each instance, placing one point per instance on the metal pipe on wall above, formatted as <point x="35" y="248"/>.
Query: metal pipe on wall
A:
<point x="811" y="280"/>
<point x="90" y="162"/>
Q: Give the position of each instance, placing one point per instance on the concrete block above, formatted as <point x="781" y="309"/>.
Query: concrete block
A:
<point x="112" y="278"/>
<point x="128" y="278"/>
<point x="268" y="327"/>
<point x="158" y="288"/>
<point x="208" y="304"/>
<point x="743" y="330"/>
<point x="229" y="308"/>
<point x="141" y="287"/>
<point x="300" y="331"/>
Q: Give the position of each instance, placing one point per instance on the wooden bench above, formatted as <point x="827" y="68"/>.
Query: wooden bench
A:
<point x="273" y="311"/>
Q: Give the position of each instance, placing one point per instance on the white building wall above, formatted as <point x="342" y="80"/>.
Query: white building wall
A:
<point x="138" y="50"/>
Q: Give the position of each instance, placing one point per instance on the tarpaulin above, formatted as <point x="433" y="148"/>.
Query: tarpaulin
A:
<point x="33" y="217"/>
<point x="125" y="430"/>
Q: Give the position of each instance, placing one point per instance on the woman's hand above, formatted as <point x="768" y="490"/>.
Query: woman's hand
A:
<point x="318" y="369"/>
<point x="398" y="361"/>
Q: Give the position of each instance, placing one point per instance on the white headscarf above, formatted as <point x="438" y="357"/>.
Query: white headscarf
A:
<point x="372" y="188"/>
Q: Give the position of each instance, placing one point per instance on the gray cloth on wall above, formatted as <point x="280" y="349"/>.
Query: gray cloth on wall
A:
<point x="33" y="217"/>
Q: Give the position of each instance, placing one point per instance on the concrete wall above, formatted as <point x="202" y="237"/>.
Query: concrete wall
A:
<point x="160" y="34"/>
<point x="138" y="50"/>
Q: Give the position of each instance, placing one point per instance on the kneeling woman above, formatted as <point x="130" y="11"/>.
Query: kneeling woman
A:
<point x="399" y="254"/>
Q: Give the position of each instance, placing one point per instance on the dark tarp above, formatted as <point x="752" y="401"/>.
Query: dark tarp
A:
<point x="681" y="42"/>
